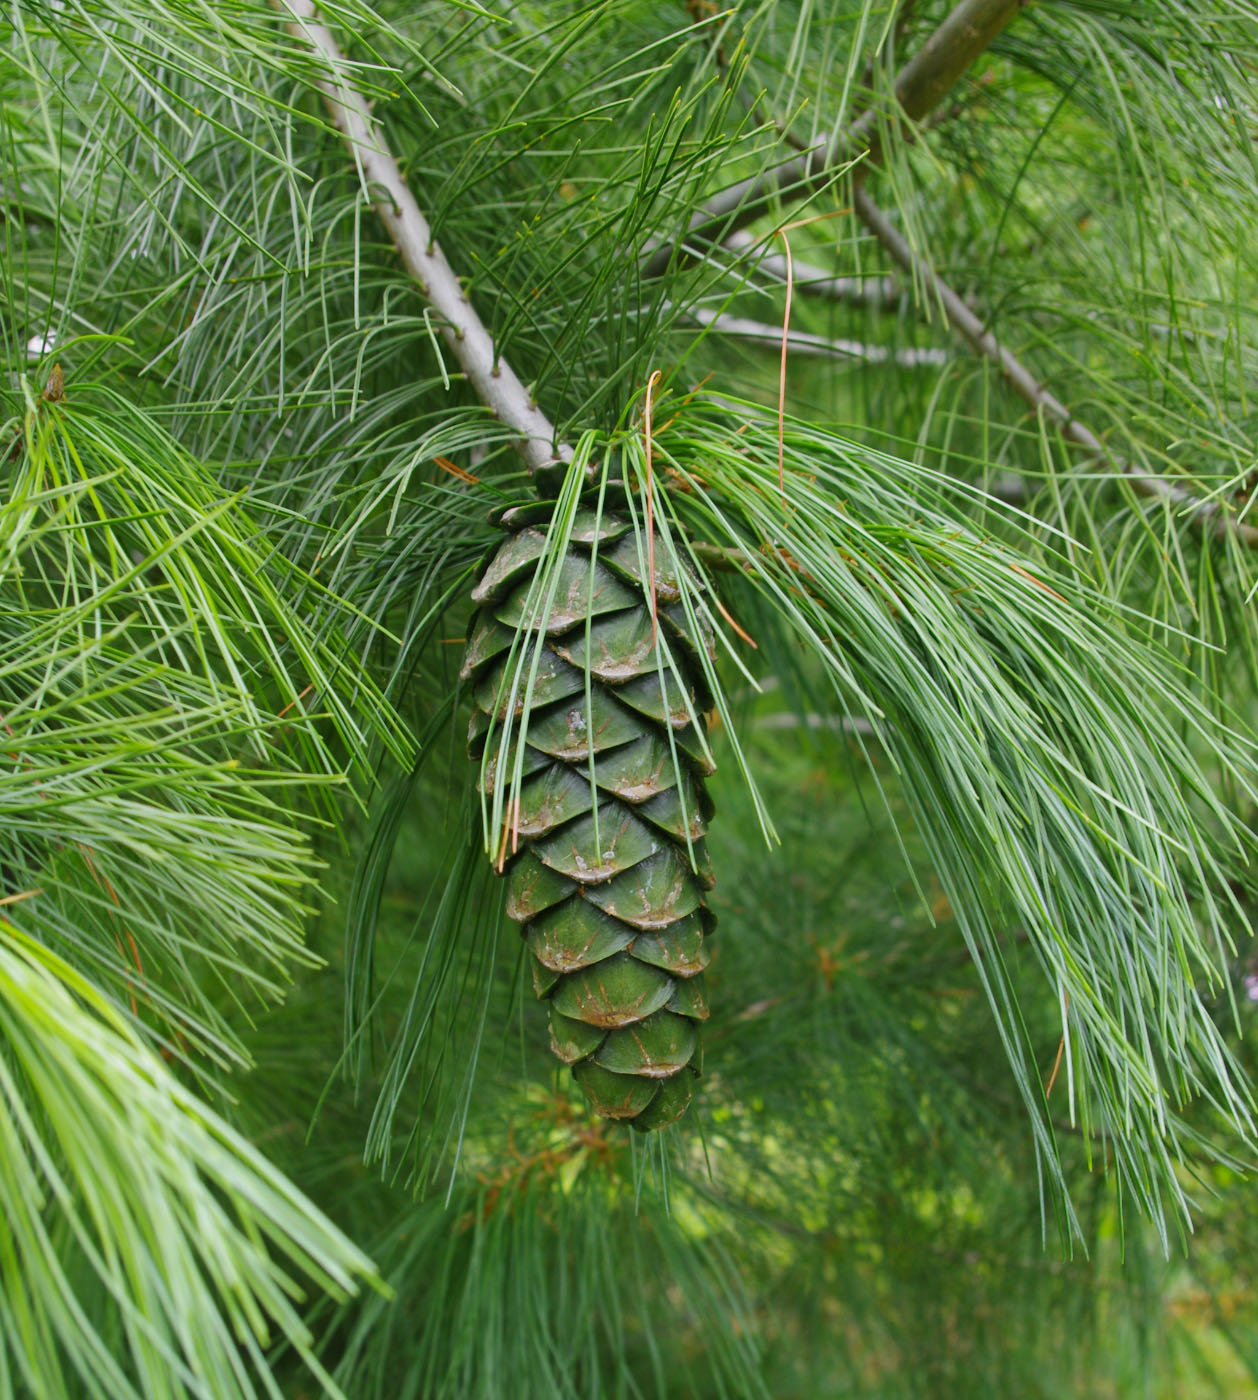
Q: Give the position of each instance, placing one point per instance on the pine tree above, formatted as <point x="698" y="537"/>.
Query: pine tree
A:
<point x="840" y="416"/>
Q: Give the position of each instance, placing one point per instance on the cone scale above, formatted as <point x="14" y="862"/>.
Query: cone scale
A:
<point x="604" y="852"/>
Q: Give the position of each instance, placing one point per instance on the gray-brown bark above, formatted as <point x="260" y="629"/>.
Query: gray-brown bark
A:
<point x="495" y="382"/>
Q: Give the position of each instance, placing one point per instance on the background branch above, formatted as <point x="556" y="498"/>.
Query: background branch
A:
<point x="877" y="293"/>
<point x="920" y="85"/>
<point x="831" y="347"/>
<point x="1024" y="382"/>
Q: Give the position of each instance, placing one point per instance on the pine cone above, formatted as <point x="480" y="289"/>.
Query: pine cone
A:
<point x="614" y="909"/>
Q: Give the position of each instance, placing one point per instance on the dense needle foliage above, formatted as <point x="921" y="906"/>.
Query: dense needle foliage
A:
<point x="974" y="555"/>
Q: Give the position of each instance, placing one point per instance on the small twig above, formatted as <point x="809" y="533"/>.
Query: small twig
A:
<point x="845" y="724"/>
<point x="717" y="556"/>
<point x="877" y="293"/>
<point x="734" y="625"/>
<point x="1061" y="1048"/>
<point x="18" y="897"/>
<point x="830" y="347"/>
<point x="1052" y="1078"/>
<point x="1035" y="394"/>
<point x="919" y="87"/>
<point x="494" y="381"/>
<point x="786" y="341"/>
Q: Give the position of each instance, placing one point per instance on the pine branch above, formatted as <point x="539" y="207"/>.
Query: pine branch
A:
<point x="1040" y="399"/>
<point x="920" y="85"/>
<point x="495" y="382"/>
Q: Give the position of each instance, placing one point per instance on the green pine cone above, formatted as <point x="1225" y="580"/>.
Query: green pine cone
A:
<point x="609" y="880"/>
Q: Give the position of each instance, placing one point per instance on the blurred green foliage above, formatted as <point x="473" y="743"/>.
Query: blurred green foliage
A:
<point x="854" y="1210"/>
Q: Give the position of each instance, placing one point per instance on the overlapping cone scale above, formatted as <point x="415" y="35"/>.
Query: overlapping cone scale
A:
<point x="591" y="713"/>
